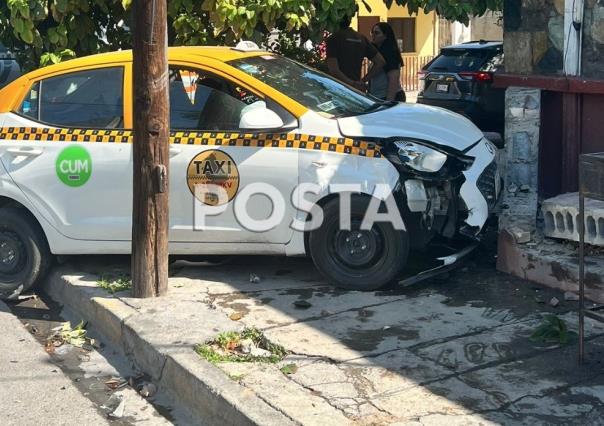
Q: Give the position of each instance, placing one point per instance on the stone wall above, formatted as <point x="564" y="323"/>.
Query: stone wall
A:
<point x="522" y="127"/>
<point x="487" y="27"/>
<point x="593" y="40"/>
<point x="534" y="37"/>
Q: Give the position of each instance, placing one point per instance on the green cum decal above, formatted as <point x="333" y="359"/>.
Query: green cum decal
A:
<point x="74" y="166"/>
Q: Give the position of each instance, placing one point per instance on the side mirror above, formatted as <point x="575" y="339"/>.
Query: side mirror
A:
<point x="257" y="117"/>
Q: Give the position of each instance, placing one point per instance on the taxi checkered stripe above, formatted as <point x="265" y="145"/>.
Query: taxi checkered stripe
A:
<point x="255" y="140"/>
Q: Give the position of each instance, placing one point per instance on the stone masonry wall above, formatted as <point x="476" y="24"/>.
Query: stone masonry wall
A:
<point x="534" y="37"/>
<point x="522" y="126"/>
<point x="593" y="40"/>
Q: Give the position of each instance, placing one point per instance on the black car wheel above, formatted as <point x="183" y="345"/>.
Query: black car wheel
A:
<point x="357" y="259"/>
<point x="24" y="253"/>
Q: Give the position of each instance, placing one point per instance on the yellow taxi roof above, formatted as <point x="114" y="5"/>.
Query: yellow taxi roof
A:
<point x="220" y="53"/>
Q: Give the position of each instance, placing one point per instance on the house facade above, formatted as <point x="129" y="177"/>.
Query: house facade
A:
<point x="417" y="35"/>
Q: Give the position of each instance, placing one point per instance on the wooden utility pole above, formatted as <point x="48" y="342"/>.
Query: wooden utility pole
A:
<point x="151" y="150"/>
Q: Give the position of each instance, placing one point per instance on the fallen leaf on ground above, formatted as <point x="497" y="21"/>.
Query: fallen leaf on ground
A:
<point x="302" y="304"/>
<point x="289" y="369"/>
<point x="236" y="316"/>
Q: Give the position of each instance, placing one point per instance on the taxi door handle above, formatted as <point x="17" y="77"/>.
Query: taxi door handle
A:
<point x="174" y="150"/>
<point x="24" y="152"/>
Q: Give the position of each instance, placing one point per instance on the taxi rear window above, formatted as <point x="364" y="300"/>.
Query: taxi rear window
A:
<point x="89" y="99"/>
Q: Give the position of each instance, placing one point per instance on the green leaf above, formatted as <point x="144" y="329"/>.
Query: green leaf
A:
<point x="289" y="369"/>
<point x="27" y="36"/>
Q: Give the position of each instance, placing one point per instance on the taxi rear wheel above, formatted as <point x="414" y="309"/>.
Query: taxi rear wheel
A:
<point x="357" y="259"/>
<point x="24" y="253"/>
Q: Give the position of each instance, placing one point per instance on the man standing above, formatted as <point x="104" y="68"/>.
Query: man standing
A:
<point x="346" y="49"/>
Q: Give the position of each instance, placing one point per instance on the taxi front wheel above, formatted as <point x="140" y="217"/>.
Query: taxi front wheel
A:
<point x="24" y="253"/>
<point x="357" y="259"/>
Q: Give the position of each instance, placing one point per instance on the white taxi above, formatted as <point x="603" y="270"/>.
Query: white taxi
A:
<point x="286" y="143"/>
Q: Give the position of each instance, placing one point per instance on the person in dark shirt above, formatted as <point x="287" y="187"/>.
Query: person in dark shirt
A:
<point x="346" y="50"/>
<point x="386" y="84"/>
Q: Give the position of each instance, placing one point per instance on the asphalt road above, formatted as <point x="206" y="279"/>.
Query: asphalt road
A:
<point x="33" y="391"/>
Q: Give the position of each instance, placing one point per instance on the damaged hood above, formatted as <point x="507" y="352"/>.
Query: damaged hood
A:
<point x="432" y="124"/>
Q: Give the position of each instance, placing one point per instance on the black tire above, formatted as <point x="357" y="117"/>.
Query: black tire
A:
<point x="24" y="253"/>
<point x="376" y="262"/>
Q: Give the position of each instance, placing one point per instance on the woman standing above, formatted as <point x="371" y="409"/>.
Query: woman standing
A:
<point x="387" y="83"/>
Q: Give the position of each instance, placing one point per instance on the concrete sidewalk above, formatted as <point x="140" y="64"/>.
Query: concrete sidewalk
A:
<point x="453" y="350"/>
<point x="33" y="391"/>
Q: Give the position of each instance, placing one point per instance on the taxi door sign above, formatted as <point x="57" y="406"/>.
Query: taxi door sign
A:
<point x="74" y="166"/>
<point x="213" y="167"/>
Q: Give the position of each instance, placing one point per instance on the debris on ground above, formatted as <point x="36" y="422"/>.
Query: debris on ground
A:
<point x="254" y="279"/>
<point x="255" y="351"/>
<point x="246" y="346"/>
<point x="236" y="316"/>
<point x="249" y="345"/>
<point x="118" y="413"/>
<point x="570" y="296"/>
<point x="521" y="236"/>
<point x="554" y="302"/>
<point x="302" y="304"/>
<point x="66" y="334"/>
<point x="26" y="297"/>
<point x="147" y="390"/>
<point x="116" y="383"/>
<point x="551" y="330"/>
<point x="115" y="406"/>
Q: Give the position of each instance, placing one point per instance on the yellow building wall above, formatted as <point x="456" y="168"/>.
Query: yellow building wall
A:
<point x="426" y="25"/>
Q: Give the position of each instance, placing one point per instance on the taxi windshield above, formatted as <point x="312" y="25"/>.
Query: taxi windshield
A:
<point x="313" y="89"/>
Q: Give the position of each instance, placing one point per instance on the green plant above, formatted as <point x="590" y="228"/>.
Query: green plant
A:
<point x="551" y="330"/>
<point x="227" y="347"/>
<point x="289" y="369"/>
<point x="115" y="285"/>
<point x="75" y="336"/>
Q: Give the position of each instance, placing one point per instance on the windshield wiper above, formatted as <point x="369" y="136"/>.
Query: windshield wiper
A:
<point x="373" y="108"/>
<point x="379" y="105"/>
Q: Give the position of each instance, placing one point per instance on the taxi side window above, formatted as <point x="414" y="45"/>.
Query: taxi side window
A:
<point x="203" y="101"/>
<point x="89" y="99"/>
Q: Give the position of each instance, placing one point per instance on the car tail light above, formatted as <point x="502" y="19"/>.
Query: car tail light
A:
<point x="421" y="77"/>
<point x="477" y="76"/>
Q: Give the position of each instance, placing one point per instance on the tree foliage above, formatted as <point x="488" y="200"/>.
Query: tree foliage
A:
<point x="455" y="10"/>
<point x="48" y="31"/>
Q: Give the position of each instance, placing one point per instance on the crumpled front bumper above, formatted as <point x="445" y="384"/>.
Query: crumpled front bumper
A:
<point x="482" y="187"/>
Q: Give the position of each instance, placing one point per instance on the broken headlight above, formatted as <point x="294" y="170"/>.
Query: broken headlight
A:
<point x="420" y="157"/>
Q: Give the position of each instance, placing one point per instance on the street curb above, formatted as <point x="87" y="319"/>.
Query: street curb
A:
<point x="552" y="270"/>
<point x="200" y="387"/>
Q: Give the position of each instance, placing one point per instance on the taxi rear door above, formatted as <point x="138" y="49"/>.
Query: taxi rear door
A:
<point x="65" y="148"/>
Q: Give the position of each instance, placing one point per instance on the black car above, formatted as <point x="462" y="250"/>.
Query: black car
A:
<point x="9" y="68"/>
<point x="461" y="80"/>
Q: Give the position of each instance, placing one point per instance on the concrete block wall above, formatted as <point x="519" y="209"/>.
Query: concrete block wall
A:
<point x="561" y="216"/>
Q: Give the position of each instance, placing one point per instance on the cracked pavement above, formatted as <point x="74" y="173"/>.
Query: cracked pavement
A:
<point x="454" y="349"/>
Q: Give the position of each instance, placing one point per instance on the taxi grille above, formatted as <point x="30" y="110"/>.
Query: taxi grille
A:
<point x="486" y="184"/>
